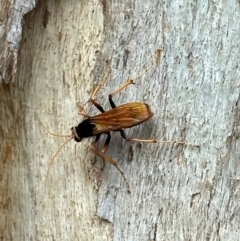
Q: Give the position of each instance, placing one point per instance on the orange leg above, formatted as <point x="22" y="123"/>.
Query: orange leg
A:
<point x="81" y="110"/>
<point x="127" y="83"/>
<point x="131" y="81"/>
<point x="107" y="157"/>
<point x="99" y="86"/>
<point x="154" y="140"/>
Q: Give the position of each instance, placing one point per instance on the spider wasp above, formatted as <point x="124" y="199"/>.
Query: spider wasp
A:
<point x="116" y="119"/>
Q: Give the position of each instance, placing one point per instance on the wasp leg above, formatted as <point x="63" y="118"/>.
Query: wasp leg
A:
<point x="99" y="86"/>
<point x="81" y="110"/>
<point x="131" y="81"/>
<point x="92" y="99"/>
<point x="107" y="157"/>
<point x="95" y="103"/>
<point x="95" y="141"/>
<point x="154" y="140"/>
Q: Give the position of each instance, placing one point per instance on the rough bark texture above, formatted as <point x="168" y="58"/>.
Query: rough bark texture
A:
<point x="177" y="192"/>
<point x="11" y="15"/>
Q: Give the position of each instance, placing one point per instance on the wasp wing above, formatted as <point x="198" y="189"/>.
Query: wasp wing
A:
<point x="124" y="116"/>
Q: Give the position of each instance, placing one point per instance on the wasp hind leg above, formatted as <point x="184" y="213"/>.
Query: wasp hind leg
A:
<point x="107" y="157"/>
<point x="154" y="140"/>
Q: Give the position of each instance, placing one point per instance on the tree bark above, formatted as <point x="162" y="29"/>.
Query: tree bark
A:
<point x="11" y="13"/>
<point x="178" y="192"/>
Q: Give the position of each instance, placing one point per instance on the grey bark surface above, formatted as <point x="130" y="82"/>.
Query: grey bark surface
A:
<point x="177" y="192"/>
<point x="11" y="13"/>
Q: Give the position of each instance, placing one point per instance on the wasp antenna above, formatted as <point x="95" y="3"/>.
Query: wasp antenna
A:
<point x="54" y="156"/>
<point x="54" y="134"/>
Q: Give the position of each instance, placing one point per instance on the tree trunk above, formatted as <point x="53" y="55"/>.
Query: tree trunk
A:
<point x="178" y="192"/>
<point x="11" y="14"/>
